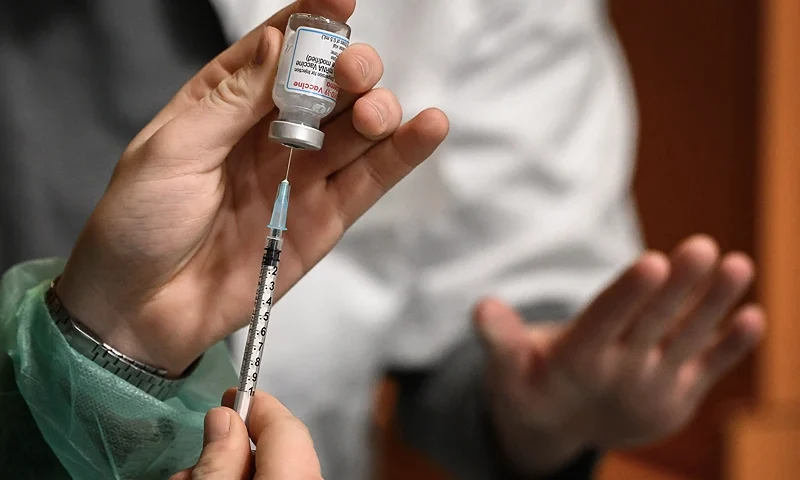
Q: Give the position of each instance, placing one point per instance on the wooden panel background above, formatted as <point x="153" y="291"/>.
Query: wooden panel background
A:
<point x="764" y="444"/>
<point x="695" y="67"/>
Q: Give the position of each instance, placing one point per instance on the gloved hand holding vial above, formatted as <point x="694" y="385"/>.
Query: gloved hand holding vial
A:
<point x="305" y="92"/>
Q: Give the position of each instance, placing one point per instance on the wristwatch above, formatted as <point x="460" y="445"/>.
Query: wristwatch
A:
<point x="82" y="339"/>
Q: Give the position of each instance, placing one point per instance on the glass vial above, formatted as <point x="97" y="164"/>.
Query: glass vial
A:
<point x="305" y="91"/>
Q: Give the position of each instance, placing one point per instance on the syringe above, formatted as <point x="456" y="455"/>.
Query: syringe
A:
<point x="257" y="333"/>
<point x="303" y="100"/>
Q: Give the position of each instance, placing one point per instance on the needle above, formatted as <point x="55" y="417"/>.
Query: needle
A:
<point x="291" y="150"/>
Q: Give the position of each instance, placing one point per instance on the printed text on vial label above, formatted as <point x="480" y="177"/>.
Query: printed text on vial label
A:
<point x="315" y="53"/>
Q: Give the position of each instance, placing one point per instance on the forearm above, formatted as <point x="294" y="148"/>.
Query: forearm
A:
<point x="444" y="412"/>
<point x="96" y="424"/>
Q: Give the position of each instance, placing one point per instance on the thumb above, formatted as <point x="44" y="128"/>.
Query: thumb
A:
<point x="217" y="121"/>
<point x="226" y="448"/>
<point x="503" y="334"/>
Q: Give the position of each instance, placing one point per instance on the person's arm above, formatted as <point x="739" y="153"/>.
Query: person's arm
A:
<point x="616" y="376"/>
<point x="95" y="424"/>
<point x="444" y="413"/>
<point x="166" y="266"/>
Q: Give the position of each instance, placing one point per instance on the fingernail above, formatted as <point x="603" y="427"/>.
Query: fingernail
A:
<point x="217" y="425"/>
<point x="262" y="49"/>
<point x="381" y="109"/>
<point x="364" y="66"/>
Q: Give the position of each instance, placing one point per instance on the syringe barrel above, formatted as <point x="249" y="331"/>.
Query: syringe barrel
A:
<point x="256" y="334"/>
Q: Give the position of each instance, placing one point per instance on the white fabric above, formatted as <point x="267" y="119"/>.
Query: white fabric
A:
<point x="528" y="198"/>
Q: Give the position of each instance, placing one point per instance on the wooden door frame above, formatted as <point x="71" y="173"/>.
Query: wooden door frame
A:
<point x="765" y="443"/>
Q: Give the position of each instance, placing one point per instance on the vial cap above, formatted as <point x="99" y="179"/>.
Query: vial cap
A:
<point x="296" y="135"/>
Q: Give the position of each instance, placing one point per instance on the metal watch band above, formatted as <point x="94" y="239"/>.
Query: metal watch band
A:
<point x="149" y="379"/>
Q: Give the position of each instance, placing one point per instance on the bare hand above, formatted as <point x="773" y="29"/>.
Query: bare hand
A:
<point x="168" y="263"/>
<point x="631" y="369"/>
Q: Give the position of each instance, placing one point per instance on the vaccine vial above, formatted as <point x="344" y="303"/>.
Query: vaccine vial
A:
<point x="305" y="90"/>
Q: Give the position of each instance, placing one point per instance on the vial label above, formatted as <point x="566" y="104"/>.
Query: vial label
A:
<point x="311" y="70"/>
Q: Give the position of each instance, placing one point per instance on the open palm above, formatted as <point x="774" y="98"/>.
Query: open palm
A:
<point x="172" y="251"/>
<point x="633" y="367"/>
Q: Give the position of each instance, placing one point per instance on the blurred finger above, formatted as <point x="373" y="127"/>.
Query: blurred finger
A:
<point x="611" y="312"/>
<point x="731" y="280"/>
<point x="503" y="334"/>
<point x="743" y="334"/>
<point x="692" y="262"/>
<point x="374" y="117"/>
<point x="360" y="184"/>
<point x="358" y="69"/>
<point x="239" y="55"/>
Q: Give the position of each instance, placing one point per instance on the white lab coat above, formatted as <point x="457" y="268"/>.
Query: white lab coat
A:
<point x="528" y="199"/>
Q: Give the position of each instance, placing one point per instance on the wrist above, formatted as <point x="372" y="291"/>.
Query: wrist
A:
<point x="85" y="342"/>
<point x="541" y="454"/>
<point x="535" y="451"/>
<point x="125" y="330"/>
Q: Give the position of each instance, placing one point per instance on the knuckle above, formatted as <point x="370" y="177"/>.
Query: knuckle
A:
<point x="388" y="98"/>
<point x="234" y="92"/>
<point x="160" y="144"/>
<point x="268" y="401"/>
<point x="375" y="177"/>
<point x="292" y="423"/>
<point x="301" y="427"/>
<point x="167" y="149"/>
<point x="368" y="53"/>
<point x="384" y="94"/>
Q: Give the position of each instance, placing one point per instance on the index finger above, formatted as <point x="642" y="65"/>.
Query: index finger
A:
<point x="238" y="55"/>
